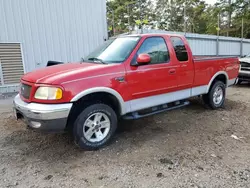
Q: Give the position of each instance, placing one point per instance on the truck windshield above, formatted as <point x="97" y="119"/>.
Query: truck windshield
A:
<point x="114" y="50"/>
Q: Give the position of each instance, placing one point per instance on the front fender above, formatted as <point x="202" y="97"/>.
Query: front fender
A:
<point x="124" y="108"/>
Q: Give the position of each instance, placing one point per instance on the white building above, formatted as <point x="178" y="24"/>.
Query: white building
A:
<point x="35" y="31"/>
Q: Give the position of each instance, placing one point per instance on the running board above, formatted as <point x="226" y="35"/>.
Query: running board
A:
<point x="155" y="110"/>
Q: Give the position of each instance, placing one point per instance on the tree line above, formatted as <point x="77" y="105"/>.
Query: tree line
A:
<point x="226" y="17"/>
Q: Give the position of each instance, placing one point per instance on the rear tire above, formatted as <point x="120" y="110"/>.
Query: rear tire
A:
<point x="216" y="95"/>
<point x="95" y="126"/>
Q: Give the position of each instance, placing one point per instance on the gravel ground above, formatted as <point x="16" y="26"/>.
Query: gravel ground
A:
<point x="189" y="147"/>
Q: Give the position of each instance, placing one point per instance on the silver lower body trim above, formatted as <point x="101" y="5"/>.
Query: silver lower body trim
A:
<point x="232" y="82"/>
<point x="146" y="102"/>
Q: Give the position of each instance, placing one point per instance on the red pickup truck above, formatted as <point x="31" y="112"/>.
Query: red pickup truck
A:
<point x="128" y="77"/>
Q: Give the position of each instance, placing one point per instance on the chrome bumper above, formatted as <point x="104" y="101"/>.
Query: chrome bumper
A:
<point x="243" y="73"/>
<point x="43" y="116"/>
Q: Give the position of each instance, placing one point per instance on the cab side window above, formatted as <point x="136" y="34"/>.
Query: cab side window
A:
<point x="179" y="48"/>
<point x="156" y="48"/>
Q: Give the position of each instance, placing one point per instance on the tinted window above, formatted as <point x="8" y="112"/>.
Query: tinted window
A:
<point x="180" y="49"/>
<point x="156" y="48"/>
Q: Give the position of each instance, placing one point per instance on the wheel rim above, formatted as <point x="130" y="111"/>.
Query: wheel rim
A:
<point x="96" y="127"/>
<point x="218" y="95"/>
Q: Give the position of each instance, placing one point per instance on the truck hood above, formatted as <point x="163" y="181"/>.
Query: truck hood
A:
<point x="65" y="72"/>
<point x="245" y="59"/>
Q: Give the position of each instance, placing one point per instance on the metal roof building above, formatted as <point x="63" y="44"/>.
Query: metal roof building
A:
<point x="35" y="31"/>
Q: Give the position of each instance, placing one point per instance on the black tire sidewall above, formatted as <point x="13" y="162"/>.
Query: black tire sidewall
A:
<point x="211" y="92"/>
<point x="80" y="140"/>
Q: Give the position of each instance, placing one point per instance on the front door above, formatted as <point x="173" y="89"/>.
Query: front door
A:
<point x="148" y="83"/>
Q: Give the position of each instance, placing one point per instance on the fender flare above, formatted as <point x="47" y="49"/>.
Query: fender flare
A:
<point x="213" y="78"/>
<point x="113" y="92"/>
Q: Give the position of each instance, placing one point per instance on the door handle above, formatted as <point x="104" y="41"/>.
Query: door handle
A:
<point x="172" y="71"/>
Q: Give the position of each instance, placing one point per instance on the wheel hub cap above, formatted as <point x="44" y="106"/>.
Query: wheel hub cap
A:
<point x="96" y="127"/>
<point x="218" y="95"/>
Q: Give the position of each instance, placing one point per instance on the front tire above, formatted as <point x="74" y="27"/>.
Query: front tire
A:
<point x="216" y="95"/>
<point x="95" y="126"/>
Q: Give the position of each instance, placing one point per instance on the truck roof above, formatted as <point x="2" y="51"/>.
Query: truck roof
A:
<point x="150" y="34"/>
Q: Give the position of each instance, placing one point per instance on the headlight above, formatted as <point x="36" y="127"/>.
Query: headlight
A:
<point x="48" y="93"/>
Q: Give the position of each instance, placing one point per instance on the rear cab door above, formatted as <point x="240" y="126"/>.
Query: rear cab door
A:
<point x="183" y="57"/>
<point x="147" y="82"/>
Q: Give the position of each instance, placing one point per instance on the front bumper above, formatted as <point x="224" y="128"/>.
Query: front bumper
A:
<point x="244" y="75"/>
<point x="45" y="117"/>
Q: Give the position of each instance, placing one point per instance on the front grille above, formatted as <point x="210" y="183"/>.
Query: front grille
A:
<point x="243" y="64"/>
<point x="245" y="69"/>
<point x="25" y="91"/>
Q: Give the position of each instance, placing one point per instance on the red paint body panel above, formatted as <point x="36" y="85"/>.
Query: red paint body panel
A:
<point x="185" y="70"/>
<point x="140" y="81"/>
<point x="79" y="77"/>
<point x="205" y="69"/>
<point x="149" y="80"/>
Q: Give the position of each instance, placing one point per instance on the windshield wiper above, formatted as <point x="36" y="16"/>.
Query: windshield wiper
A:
<point x="96" y="59"/>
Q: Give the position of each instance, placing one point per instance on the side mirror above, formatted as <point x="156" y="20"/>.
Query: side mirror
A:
<point x="143" y="59"/>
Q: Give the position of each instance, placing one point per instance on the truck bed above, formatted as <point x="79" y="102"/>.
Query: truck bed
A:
<point x="208" y="66"/>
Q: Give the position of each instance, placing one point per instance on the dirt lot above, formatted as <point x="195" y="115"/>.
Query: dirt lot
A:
<point x="189" y="147"/>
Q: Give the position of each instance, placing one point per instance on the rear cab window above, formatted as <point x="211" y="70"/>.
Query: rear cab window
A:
<point x="179" y="48"/>
<point x="156" y="48"/>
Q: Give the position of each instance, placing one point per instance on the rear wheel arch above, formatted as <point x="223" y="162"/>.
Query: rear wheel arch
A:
<point x="219" y="76"/>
